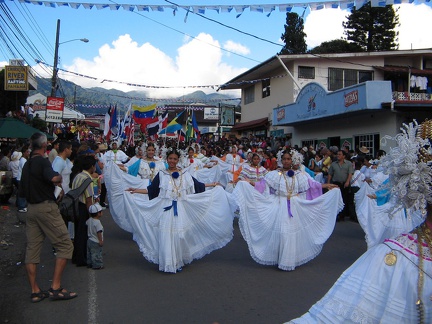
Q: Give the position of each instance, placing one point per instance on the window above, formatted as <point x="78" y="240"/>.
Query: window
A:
<point x="371" y="141"/>
<point x="249" y="95"/>
<point x="307" y="143"/>
<point x="306" y="72"/>
<point x="265" y="88"/>
<point x="341" y="78"/>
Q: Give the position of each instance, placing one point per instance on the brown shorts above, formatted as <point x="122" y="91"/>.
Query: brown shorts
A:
<point x="44" y="220"/>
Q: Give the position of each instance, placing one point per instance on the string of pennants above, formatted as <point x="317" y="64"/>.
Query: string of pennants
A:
<point x="217" y="86"/>
<point x="239" y="9"/>
<point x="160" y="108"/>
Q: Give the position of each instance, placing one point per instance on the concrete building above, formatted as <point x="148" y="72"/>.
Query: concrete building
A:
<point x="352" y="99"/>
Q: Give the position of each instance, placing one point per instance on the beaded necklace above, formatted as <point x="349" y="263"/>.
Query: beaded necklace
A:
<point x="176" y="188"/>
<point x="290" y="189"/>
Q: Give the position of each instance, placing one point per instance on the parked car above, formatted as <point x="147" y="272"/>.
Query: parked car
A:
<point x="6" y="186"/>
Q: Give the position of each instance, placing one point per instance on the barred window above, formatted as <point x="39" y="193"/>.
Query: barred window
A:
<point x="341" y="78"/>
<point x="306" y="72"/>
<point x="249" y="94"/>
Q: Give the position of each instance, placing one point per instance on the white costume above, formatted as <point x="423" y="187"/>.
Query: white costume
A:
<point x="280" y="226"/>
<point x="392" y="281"/>
<point x="373" y="290"/>
<point x="177" y="226"/>
<point x="117" y="157"/>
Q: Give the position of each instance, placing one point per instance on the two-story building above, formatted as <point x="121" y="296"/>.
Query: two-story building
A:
<point x="341" y="99"/>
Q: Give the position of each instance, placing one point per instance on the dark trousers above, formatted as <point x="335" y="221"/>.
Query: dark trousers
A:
<point x="79" y="256"/>
<point x="103" y="193"/>
<point x="346" y="199"/>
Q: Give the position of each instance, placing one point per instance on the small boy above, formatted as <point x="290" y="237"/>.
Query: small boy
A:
<point x="95" y="238"/>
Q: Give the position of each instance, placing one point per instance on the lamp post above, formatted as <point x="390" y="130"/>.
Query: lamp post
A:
<point x="57" y="44"/>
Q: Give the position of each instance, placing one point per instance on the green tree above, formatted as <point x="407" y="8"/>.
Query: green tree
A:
<point x="10" y="100"/>
<point x="336" y="46"/>
<point x="372" y="28"/>
<point x="293" y="37"/>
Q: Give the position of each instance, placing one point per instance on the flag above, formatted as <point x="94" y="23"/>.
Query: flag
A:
<point x="128" y="126"/>
<point x="143" y="115"/>
<point x="174" y="125"/>
<point x="157" y="124"/>
<point x="192" y="127"/>
<point x="131" y="136"/>
<point x="110" y="128"/>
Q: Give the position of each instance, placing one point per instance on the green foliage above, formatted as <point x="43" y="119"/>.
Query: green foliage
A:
<point x="372" y="28"/>
<point x="39" y="124"/>
<point x="10" y="100"/>
<point x="336" y="46"/>
<point x="293" y="37"/>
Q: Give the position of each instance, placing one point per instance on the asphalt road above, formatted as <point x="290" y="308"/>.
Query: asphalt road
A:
<point x="226" y="286"/>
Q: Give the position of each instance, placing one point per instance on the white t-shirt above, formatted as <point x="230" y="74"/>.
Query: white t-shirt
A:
<point x="64" y="168"/>
<point x="93" y="227"/>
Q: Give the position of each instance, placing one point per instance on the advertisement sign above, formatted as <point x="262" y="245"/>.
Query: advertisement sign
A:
<point x="211" y="113"/>
<point x="227" y="116"/>
<point x="16" y="78"/>
<point x="54" y="111"/>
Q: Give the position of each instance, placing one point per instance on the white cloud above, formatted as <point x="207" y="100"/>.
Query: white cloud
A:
<point x="126" y="61"/>
<point x="236" y="48"/>
<point x="415" y="20"/>
<point x="324" y="25"/>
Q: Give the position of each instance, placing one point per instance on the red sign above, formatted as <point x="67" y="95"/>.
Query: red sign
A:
<point x="55" y="103"/>
<point x="54" y="111"/>
<point x="351" y="98"/>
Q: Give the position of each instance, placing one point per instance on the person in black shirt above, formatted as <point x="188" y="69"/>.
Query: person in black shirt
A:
<point x="38" y="181"/>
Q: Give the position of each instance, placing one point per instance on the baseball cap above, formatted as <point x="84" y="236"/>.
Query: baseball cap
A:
<point x="95" y="208"/>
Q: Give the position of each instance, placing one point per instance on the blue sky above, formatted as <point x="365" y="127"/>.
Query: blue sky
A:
<point x="151" y="48"/>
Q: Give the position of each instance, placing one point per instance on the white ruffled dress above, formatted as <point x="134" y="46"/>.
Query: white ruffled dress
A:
<point x="379" y="222"/>
<point x="371" y="291"/>
<point x="276" y="237"/>
<point x="204" y="222"/>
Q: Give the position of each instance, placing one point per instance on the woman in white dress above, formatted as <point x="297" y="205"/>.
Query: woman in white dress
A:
<point x="288" y="223"/>
<point x="181" y="221"/>
<point x="148" y="166"/>
<point x="392" y="281"/>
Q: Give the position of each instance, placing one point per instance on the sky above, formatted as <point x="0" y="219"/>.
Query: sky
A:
<point x="175" y="54"/>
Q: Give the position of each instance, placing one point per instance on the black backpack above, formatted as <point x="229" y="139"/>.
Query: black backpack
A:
<point x="69" y="204"/>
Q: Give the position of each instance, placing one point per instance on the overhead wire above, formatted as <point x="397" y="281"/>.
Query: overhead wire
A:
<point x="224" y="25"/>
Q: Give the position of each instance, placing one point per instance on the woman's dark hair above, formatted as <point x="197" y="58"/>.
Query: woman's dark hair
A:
<point x="172" y="150"/>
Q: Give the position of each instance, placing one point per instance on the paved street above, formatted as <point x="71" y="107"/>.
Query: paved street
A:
<point x="226" y="286"/>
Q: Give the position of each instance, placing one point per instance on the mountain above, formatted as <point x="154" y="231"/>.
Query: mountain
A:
<point x="94" y="101"/>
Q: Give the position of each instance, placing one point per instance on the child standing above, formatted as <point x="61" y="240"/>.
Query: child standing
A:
<point x="95" y="238"/>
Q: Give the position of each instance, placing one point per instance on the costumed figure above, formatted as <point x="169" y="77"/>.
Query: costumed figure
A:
<point x="181" y="221"/>
<point x="392" y="281"/>
<point x="286" y="219"/>
<point x="115" y="155"/>
<point x="149" y="166"/>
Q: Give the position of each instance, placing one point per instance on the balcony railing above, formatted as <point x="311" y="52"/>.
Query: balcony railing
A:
<point x="412" y="96"/>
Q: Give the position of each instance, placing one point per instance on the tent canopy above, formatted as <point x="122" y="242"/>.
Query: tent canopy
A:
<point x="39" y="105"/>
<point x="14" y="128"/>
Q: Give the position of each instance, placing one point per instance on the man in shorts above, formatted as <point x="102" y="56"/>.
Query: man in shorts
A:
<point x="38" y="181"/>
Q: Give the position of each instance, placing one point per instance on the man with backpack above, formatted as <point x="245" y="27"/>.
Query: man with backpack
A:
<point x="86" y="163"/>
<point x="38" y="181"/>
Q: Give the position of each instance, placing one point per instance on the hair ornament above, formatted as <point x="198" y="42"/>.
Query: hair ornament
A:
<point x="297" y="157"/>
<point x="409" y="167"/>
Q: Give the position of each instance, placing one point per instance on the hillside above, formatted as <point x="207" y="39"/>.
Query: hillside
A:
<point x="94" y="97"/>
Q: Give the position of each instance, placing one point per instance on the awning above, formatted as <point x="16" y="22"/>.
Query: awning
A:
<point x="250" y="124"/>
<point x="403" y="69"/>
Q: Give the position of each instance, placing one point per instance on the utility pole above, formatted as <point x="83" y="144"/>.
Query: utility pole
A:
<point x="54" y="76"/>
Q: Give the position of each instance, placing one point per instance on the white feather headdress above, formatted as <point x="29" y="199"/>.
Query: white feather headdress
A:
<point x="409" y="166"/>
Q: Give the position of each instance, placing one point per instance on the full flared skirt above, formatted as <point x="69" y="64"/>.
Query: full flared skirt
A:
<point x="276" y="238"/>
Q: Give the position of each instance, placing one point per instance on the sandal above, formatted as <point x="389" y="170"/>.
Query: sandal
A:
<point x="39" y="296"/>
<point x="61" y="294"/>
